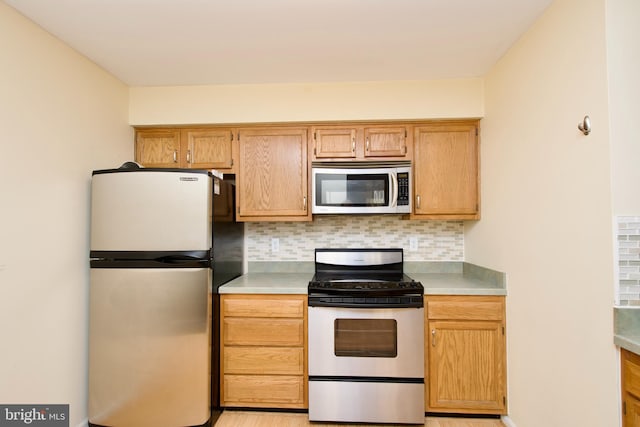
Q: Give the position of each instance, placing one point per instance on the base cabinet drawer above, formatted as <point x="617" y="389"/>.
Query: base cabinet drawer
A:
<point x="264" y="360"/>
<point x="264" y="391"/>
<point x="267" y="306"/>
<point x="465" y="308"/>
<point x="263" y="351"/>
<point x="269" y="332"/>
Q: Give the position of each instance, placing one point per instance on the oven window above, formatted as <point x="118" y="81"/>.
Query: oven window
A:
<point x="360" y="190"/>
<point x="366" y="337"/>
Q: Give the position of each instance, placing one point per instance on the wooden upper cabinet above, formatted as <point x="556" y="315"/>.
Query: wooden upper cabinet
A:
<point x="185" y="148"/>
<point x="272" y="163"/>
<point x="446" y="181"/>
<point x="208" y="148"/>
<point x="376" y="142"/>
<point x="335" y="143"/>
<point x="385" y="142"/>
<point x="159" y="148"/>
<point x="272" y="180"/>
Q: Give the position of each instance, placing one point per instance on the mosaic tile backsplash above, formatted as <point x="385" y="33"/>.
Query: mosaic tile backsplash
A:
<point x="629" y="260"/>
<point x="436" y="240"/>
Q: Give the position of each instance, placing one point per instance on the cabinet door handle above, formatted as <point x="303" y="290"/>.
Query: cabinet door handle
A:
<point x="367" y="144"/>
<point x="189" y="156"/>
<point x="353" y="145"/>
<point x="304" y="203"/>
<point x="433" y="337"/>
<point x="175" y="156"/>
<point x="417" y="202"/>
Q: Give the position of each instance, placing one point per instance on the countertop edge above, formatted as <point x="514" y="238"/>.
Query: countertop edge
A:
<point x="628" y="343"/>
<point x="296" y="283"/>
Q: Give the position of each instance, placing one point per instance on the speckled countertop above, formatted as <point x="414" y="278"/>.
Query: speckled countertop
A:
<point x="268" y="283"/>
<point x="626" y="328"/>
<point x="438" y="278"/>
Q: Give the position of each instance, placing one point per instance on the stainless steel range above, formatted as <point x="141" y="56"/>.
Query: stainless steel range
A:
<point x="366" y="338"/>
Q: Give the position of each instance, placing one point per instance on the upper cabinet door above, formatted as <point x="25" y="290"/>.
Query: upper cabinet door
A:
<point x="272" y="181"/>
<point x="159" y="148"/>
<point x="446" y="171"/>
<point x="385" y="142"/>
<point x="335" y="143"/>
<point x="361" y="142"/>
<point x="208" y="148"/>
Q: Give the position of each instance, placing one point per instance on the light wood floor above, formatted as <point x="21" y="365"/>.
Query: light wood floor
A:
<point x="277" y="419"/>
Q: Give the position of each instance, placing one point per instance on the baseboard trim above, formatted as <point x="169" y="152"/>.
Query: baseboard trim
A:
<point x="507" y="421"/>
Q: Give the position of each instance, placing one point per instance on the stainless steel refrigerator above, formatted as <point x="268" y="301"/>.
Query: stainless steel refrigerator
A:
<point x="162" y="242"/>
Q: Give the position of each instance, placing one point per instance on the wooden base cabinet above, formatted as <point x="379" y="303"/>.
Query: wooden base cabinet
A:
<point x="465" y="354"/>
<point x="630" y="367"/>
<point x="263" y="351"/>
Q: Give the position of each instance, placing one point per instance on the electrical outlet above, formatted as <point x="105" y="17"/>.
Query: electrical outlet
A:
<point x="275" y="245"/>
<point x="413" y="244"/>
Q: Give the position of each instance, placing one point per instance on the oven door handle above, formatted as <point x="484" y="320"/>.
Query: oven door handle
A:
<point x="393" y="202"/>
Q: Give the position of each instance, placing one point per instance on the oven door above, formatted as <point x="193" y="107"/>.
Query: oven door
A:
<point x="366" y="342"/>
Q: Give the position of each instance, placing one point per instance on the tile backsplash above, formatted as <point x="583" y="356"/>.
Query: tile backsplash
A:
<point x="296" y="241"/>
<point x="628" y="260"/>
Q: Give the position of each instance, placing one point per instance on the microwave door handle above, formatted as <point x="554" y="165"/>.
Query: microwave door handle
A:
<point x="394" y="189"/>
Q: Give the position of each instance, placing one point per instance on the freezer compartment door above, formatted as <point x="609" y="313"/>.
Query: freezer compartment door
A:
<point x="151" y="211"/>
<point x="149" y="347"/>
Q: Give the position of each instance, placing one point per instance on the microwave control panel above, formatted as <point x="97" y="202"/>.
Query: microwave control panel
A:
<point x="403" y="189"/>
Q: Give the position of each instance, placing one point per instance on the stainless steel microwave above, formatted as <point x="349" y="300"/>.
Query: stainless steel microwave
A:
<point x="361" y="188"/>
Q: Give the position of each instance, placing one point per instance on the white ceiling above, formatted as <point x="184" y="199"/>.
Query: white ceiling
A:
<point x="192" y="42"/>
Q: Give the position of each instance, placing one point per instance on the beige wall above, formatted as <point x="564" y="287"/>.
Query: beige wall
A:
<point x="546" y="218"/>
<point x="60" y="117"/>
<point x="306" y="102"/>
<point x="623" y="52"/>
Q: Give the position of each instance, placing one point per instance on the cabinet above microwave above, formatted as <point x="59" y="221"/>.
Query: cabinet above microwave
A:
<point x="371" y="142"/>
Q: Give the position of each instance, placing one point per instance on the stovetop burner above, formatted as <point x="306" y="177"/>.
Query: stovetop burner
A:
<point x="353" y="277"/>
<point x="359" y="282"/>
